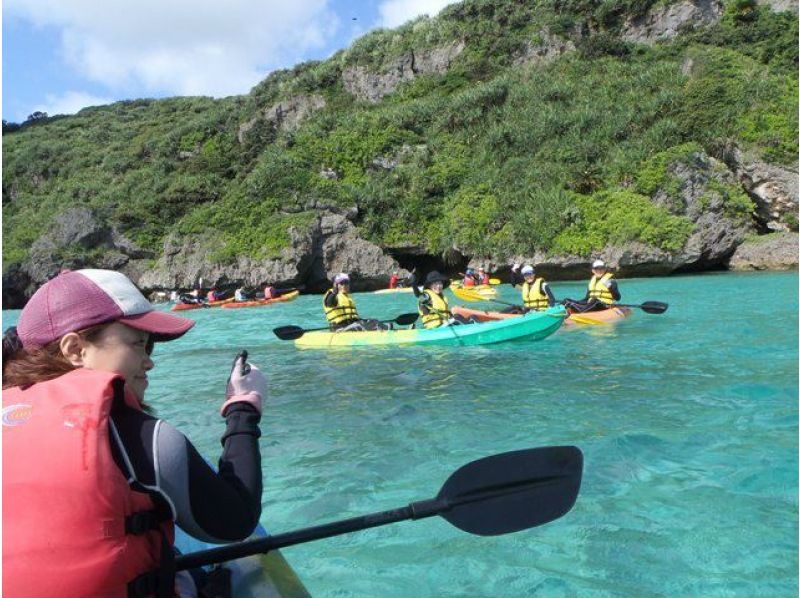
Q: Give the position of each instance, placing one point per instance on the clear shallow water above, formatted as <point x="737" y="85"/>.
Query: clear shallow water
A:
<point x="687" y="420"/>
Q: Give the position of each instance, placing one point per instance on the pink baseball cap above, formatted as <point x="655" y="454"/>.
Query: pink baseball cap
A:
<point x="78" y="299"/>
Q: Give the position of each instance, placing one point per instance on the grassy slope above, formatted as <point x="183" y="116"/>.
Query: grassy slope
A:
<point x="495" y="159"/>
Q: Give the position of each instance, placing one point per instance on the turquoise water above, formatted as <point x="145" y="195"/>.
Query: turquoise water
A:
<point x="688" y="422"/>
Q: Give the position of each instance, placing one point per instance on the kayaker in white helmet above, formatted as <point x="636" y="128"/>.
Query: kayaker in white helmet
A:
<point x="340" y="308"/>
<point x="536" y="293"/>
<point x="601" y="293"/>
<point x="96" y="484"/>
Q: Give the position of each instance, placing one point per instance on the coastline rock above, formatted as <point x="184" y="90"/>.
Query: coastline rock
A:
<point x="330" y="245"/>
<point x="776" y="251"/>
<point x="666" y="22"/>
<point x="717" y="233"/>
<point x="66" y="244"/>
<point x="773" y="188"/>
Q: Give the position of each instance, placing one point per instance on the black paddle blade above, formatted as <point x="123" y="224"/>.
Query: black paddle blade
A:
<point x="513" y="491"/>
<point x="654" y="307"/>
<point x="406" y="319"/>
<point x="288" y="333"/>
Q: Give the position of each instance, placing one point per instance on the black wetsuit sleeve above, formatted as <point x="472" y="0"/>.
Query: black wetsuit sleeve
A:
<point x="415" y="284"/>
<point x="221" y="506"/>
<point x="551" y="300"/>
<point x="331" y="300"/>
<point x="614" y="290"/>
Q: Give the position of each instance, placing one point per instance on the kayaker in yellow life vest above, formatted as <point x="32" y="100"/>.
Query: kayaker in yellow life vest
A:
<point x="432" y="305"/>
<point x="340" y="309"/>
<point x="601" y="294"/>
<point x="536" y="293"/>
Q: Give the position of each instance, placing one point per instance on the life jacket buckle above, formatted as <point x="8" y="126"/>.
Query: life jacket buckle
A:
<point x="141" y="522"/>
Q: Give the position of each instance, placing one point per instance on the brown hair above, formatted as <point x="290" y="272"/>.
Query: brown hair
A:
<point x="24" y="367"/>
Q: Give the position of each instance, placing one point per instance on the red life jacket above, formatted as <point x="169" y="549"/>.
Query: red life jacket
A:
<point x="66" y="503"/>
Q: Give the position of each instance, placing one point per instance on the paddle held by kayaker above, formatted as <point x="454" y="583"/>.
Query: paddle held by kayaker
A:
<point x="92" y="483"/>
<point x="340" y="308"/>
<point x="536" y="293"/>
<point x="601" y="293"/>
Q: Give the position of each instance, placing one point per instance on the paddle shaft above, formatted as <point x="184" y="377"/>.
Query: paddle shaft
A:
<point x="262" y="545"/>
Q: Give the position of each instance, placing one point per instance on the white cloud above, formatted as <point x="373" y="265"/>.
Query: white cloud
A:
<point x="182" y="47"/>
<point x="397" y="12"/>
<point x="69" y="103"/>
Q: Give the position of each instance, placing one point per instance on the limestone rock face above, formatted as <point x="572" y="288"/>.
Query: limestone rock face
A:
<point x="717" y="234"/>
<point x="773" y="188"/>
<point x="372" y="87"/>
<point x="285" y="115"/>
<point x="330" y="245"/>
<point x="666" y="22"/>
<point x="777" y="251"/>
<point x="548" y="48"/>
<point x="780" y="5"/>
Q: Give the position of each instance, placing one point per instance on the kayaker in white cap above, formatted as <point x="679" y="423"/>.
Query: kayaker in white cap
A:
<point x="92" y="483"/>
<point x="536" y="293"/>
<point x="601" y="293"/>
<point x="340" y="308"/>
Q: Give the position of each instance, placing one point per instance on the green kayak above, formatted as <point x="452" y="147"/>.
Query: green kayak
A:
<point x="532" y="326"/>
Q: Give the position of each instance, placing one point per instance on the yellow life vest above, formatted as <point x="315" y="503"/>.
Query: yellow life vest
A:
<point x="597" y="290"/>
<point x="344" y="312"/>
<point x="533" y="296"/>
<point x="438" y="312"/>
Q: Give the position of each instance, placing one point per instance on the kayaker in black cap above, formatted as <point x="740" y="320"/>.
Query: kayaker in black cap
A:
<point x="433" y="306"/>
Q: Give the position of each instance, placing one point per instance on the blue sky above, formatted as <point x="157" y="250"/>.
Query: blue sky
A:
<point x="62" y="55"/>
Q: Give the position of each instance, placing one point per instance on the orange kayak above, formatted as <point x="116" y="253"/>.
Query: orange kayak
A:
<point x="605" y="316"/>
<point x="262" y="302"/>
<point x="185" y="306"/>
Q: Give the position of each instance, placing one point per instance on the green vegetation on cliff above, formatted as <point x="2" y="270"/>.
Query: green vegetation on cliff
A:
<point x="489" y="157"/>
